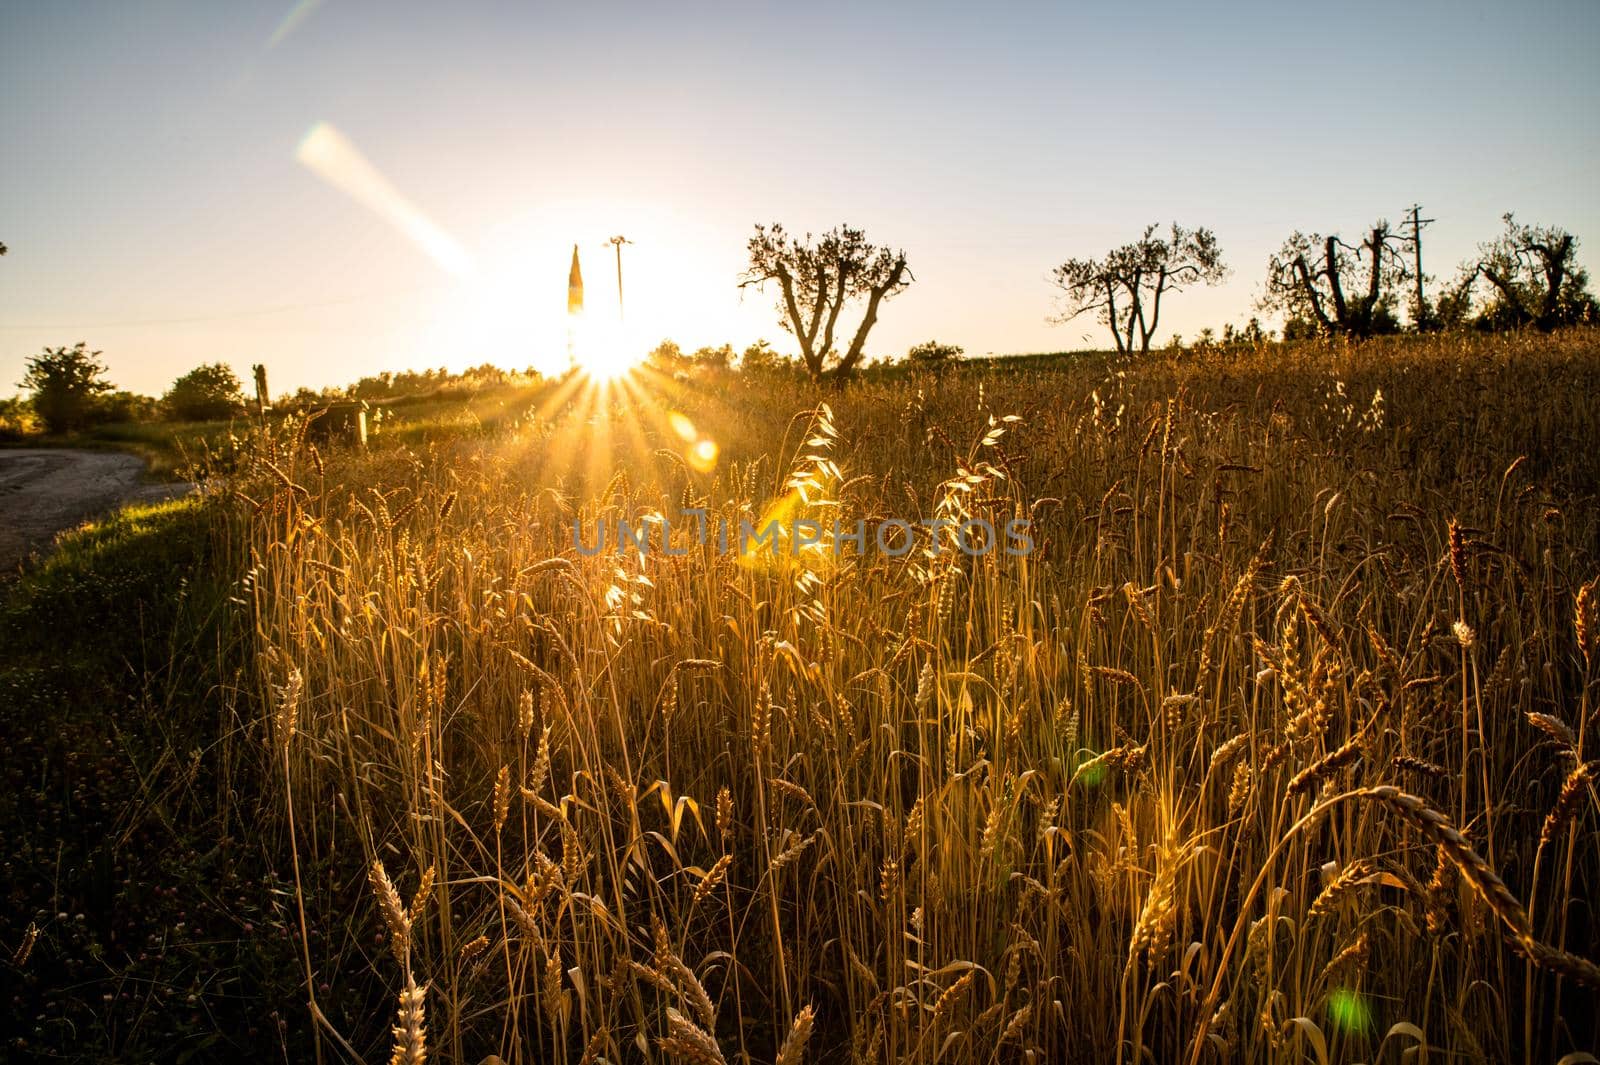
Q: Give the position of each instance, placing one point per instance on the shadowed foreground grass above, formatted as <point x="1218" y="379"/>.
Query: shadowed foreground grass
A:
<point x="131" y="869"/>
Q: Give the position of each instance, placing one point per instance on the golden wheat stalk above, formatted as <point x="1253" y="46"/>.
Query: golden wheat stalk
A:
<point x="395" y="915"/>
<point x="1458" y="555"/>
<point x="1573" y="791"/>
<point x="472" y="949"/>
<point x="714" y="876"/>
<point x="1553" y="727"/>
<point x="1585" y="623"/>
<point x="794" y="1044"/>
<point x="410" y="1036"/>
<point x="688" y="1042"/>
<point x="1338" y="888"/>
<point x="19" y="957"/>
<point x="502" y="798"/>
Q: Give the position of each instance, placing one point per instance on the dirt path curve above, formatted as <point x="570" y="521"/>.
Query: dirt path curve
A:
<point x="45" y="490"/>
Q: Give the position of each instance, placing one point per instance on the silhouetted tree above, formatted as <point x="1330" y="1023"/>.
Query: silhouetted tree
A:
<point x="1535" y="278"/>
<point x="1124" y="289"/>
<point x="815" y="282"/>
<point x="67" y="384"/>
<point x="1344" y="289"/>
<point x="204" y="393"/>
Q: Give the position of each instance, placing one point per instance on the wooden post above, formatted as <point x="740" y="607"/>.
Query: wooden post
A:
<point x="262" y="398"/>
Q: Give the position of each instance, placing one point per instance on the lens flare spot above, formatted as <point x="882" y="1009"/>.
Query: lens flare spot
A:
<point x="765" y="546"/>
<point x="1093" y="774"/>
<point x="1349" y="1011"/>
<point x="291" y="22"/>
<point x="683" y="427"/>
<point x="703" y="455"/>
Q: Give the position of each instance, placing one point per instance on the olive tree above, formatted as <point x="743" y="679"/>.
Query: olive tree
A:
<point x="1534" y="276"/>
<point x="1340" y="289"/>
<point x="816" y="279"/>
<point x="1124" y="289"/>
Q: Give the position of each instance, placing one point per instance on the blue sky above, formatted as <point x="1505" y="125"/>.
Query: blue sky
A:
<point x="154" y="206"/>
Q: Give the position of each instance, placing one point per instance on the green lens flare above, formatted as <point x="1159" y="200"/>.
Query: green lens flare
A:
<point x="1349" y="1010"/>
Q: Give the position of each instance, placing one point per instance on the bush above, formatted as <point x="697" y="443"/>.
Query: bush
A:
<point x="931" y="351"/>
<point x="714" y="358"/>
<point x="67" y="384"/>
<point x="665" y="354"/>
<point x="16" y="419"/>
<point x="761" y="356"/>
<point x="128" y="407"/>
<point x="205" y="393"/>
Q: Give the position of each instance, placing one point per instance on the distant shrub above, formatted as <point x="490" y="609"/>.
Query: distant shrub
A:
<point x="666" y="353"/>
<point x="933" y="352"/>
<point x="17" y="420"/>
<point x="1297" y="327"/>
<point x="1252" y="335"/>
<point x="128" y="407"/>
<point x="761" y="356"/>
<point x="715" y="358"/>
<point x="205" y="393"/>
<point x="304" y="398"/>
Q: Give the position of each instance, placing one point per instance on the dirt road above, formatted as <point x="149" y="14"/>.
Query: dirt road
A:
<point x="45" y="490"/>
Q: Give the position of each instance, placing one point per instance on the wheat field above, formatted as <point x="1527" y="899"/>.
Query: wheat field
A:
<point x="1275" y="748"/>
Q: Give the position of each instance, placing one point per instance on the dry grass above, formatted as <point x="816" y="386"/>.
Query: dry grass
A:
<point x="1277" y="747"/>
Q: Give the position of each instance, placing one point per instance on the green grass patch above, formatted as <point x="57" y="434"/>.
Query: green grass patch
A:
<point x="125" y="800"/>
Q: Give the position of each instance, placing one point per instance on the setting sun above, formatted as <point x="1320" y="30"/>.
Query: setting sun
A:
<point x="605" y="351"/>
<point x="513" y="308"/>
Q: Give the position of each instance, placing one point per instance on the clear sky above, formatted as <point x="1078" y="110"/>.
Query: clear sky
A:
<point x="155" y="206"/>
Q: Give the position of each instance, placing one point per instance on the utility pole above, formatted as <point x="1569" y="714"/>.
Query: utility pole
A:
<point x="1415" y="220"/>
<point x="618" y="241"/>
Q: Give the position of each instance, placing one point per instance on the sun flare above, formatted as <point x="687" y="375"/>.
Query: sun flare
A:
<point x="605" y="351"/>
